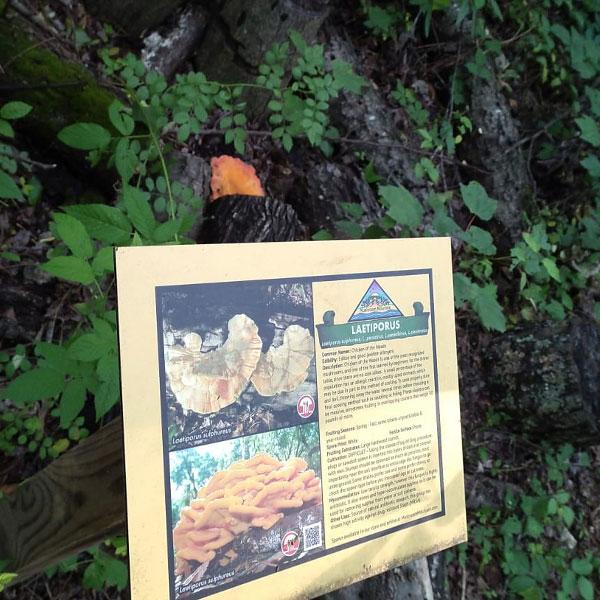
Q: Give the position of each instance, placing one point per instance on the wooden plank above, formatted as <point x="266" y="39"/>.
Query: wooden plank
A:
<point x="75" y="502"/>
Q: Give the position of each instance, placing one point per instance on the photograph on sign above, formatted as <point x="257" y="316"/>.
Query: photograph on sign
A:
<point x="298" y="417"/>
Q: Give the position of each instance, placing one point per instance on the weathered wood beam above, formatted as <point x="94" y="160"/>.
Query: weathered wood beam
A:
<point x="75" y="502"/>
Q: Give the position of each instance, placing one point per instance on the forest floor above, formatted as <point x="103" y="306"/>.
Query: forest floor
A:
<point x="499" y="460"/>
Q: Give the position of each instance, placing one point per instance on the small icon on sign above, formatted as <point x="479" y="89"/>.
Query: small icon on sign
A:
<point x="305" y="406"/>
<point x="290" y="543"/>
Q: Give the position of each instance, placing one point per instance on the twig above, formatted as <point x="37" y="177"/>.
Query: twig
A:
<point x="463" y="593"/>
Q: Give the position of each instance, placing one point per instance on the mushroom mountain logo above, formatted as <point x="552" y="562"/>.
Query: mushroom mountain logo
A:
<point x="375" y="304"/>
<point x="375" y="318"/>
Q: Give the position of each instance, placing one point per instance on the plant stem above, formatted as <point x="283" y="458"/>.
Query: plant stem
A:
<point x="163" y="163"/>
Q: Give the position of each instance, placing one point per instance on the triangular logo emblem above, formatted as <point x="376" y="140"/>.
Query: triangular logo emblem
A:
<point x="375" y="304"/>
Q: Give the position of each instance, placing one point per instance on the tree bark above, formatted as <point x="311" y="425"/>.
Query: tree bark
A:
<point x="546" y="378"/>
<point x="133" y="17"/>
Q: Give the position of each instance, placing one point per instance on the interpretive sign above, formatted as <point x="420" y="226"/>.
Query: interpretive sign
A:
<point x="291" y="414"/>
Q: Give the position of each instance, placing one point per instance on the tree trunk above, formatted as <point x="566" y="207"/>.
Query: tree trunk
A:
<point x="133" y="17"/>
<point x="546" y="378"/>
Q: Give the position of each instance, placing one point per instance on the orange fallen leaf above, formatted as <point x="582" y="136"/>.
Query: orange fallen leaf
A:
<point x="232" y="176"/>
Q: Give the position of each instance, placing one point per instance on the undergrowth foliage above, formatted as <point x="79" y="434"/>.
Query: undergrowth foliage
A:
<point x="555" y="260"/>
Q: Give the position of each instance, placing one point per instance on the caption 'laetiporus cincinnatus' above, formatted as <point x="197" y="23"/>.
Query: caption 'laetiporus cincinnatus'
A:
<point x="250" y="493"/>
<point x="205" y="382"/>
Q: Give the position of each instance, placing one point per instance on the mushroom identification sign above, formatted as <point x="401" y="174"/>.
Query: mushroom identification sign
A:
<point x="291" y="414"/>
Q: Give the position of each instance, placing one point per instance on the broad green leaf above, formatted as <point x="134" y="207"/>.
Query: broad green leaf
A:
<point x="402" y="206"/>
<point x="120" y="117"/>
<point x="594" y="96"/>
<point x="350" y="228"/>
<point x="71" y="402"/>
<point x="582" y="566"/>
<point x="345" y="78"/>
<point x="6" y="129"/>
<point x="354" y="209"/>
<point x="89" y="347"/>
<point x="70" y="268"/>
<point x="592" y="165"/>
<point x="478" y="201"/>
<point x="323" y="234"/>
<point x="104" y="223"/>
<point x="8" y="188"/>
<point x="104" y="261"/>
<point x="37" y="384"/>
<point x="512" y="526"/>
<point x="551" y="268"/>
<point x="74" y="235"/>
<point x="522" y="583"/>
<point x="444" y="224"/>
<point x="166" y="231"/>
<point x="586" y="588"/>
<point x="138" y="208"/>
<point x="483" y="300"/>
<point x="85" y="136"/>
<point x="108" y="367"/>
<point x="56" y="357"/>
<point x="126" y="160"/>
<point x="568" y="516"/>
<point x="480" y="239"/>
<point x="589" y="130"/>
<point x="107" y="395"/>
<point x="14" y="110"/>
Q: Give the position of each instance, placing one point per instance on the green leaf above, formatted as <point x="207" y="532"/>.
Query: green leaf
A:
<point x="107" y="395"/>
<point x="350" y="228"/>
<point x="56" y="357"/>
<point x="89" y="347"/>
<point x="551" y="268"/>
<point x="40" y="383"/>
<point x="354" y="209"/>
<point x="345" y="78"/>
<point x="522" y="583"/>
<point x="586" y="589"/>
<point x="480" y="239"/>
<point x="166" y="231"/>
<point x="483" y="300"/>
<point x="8" y="188"/>
<point x="138" y="208"/>
<point x="402" y="206"/>
<point x="582" y="566"/>
<point x="444" y="224"/>
<point x="120" y="117"/>
<point x="104" y="223"/>
<point x="70" y="268"/>
<point x="592" y="165"/>
<point x="74" y="235"/>
<point x="126" y="160"/>
<point x="104" y="261"/>
<point x="85" y="136"/>
<point x="6" y="129"/>
<point x="323" y="234"/>
<point x="478" y="201"/>
<point x="71" y="402"/>
<point x="589" y="130"/>
<point x="568" y="516"/>
<point x="15" y="110"/>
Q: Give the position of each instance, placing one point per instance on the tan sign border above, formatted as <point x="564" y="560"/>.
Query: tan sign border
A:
<point x="141" y="270"/>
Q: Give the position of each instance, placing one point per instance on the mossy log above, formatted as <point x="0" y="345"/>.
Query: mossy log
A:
<point x="60" y="91"/>
<point x="546" y="379"/>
